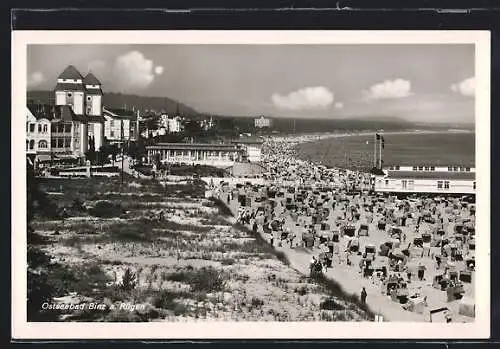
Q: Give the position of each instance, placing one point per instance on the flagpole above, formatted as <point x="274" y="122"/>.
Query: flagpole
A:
<point x="380" y="153"/>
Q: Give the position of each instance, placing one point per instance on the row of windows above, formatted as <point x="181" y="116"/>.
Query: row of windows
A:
<point x="31" y="127"/>
<point x="446" y="184"/>
<point x="60" y="142"/>
<point x="433" y="168"/>
<point x="408" y="184"/>
<point x="44" y="128"/>
<point x="30" y="144"/>
<point x="70" y="95"/>
<point x="62" y="128"/>
<point x="458" y="169"/>
<point x="424" y="168"/>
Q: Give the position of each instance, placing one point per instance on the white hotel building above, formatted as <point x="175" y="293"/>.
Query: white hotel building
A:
<point x="427" y="179"/>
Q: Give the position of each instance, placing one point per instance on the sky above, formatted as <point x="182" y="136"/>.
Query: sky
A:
<point x="415" y="82"/>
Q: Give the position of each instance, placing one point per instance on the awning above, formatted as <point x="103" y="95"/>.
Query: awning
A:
<point x="42" y="158"/>
<point x="66" y="157"/>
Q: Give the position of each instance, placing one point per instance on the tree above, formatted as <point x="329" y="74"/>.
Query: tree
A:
<point x="192" y="128"/>
<point x="128" y="281"/>
<point x="109" y="149"/>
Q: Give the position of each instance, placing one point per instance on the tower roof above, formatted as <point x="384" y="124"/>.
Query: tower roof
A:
<point x="90" y="79"/>
<point x="70" y="73"/>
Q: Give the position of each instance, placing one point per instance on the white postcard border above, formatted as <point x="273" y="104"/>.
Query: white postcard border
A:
<point x="21" y="329"/>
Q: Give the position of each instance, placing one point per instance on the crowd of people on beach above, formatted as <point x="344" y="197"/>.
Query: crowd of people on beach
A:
<point x="411" y="249"/>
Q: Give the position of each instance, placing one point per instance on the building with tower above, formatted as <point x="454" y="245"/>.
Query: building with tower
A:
<point x="73" y="125"/>
<point x="94" y="110"/>
<point x="262" y="122"/>
<point x="84" y="96"/>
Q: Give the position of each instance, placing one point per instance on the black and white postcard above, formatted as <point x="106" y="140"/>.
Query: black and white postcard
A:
<point x="251" y="184"/>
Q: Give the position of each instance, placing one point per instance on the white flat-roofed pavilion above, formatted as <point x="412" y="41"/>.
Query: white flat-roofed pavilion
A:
<point x="437" y="179"/>
<point x="217" y="155"/>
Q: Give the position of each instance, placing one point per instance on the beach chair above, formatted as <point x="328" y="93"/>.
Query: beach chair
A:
<point x="467" y="307"/>
<point x="370" y="252"/>
<point x="363" y="230"/>
<point x="349" y="230"/>
<point x="336" y="236"/>
<point x="454" y="292"/>
<point x="439" y="315"/>
<point x="465" y="276"/>
<point x="418" y="241"/>
<point x="471" y="264"/>
<point x="384" y="249"/>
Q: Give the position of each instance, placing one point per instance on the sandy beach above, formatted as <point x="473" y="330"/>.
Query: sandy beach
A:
<point x="350" y="276"/>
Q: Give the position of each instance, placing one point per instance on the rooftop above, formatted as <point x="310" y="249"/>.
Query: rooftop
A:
<point x="65" y="112"/>
<point x="193" y="146"/>
<point x="248" y="140"/>
<point x="119" y="113"/>
<point x="437" y="175"/>
<point x="95" y="118"/>
<point x="70" y="73"/>
<point x="50" y="112"/>
<point x="90" y="79"/>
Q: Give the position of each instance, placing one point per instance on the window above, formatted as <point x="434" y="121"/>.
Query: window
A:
<point x="467" y="169"/>
<point x="112" y="134"/>
<point x="410" y="184"/>
<point x="69" y="95"/>
<point x="433" y="168"/>
<point x="440" y="184"/>
<point x="397" y="168"/>
<point x="172" y="153"/>
<point x="67" y="128"/>
<point x="89" y="98"/>
<point x="427" y="168"/>
<point x="42" y="144"/>
<point x="39" y="128"/>
<point x="32" y="127"/>
<point x="67" y="143"/>
<point x="421" y="168"/>
<point x="450" y="168"/>
<point x="27" y="144"/>
<point x="455" y="168"/>
<point x="60" y="143"/>
<point x="415" y="168"/>
<point x="53" y="143"/>
<point x="446" y="185"/>
<point x="404" y="183"/>
<point x="32" y="144"/>
<point x="386" y="182"/>
<point x="45" y="128"/>
<point x="474" y="185"/>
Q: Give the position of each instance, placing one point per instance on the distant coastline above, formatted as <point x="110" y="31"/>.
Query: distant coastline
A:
<point x="355" y="150"/>
<point x="314" y="137"/>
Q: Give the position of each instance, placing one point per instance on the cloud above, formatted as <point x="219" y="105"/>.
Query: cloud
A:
<point x="134" y="71"/>
<point x="389" y="89"/>
<point x="159" y="70"/>
<point x="339" y="105"/>
<point x="35" y="79"/>
<point x="465" y="87"/>
<point x="307" y="98"/>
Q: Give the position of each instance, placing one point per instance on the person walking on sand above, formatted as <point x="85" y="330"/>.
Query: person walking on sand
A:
<point x="363" y="296"/>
